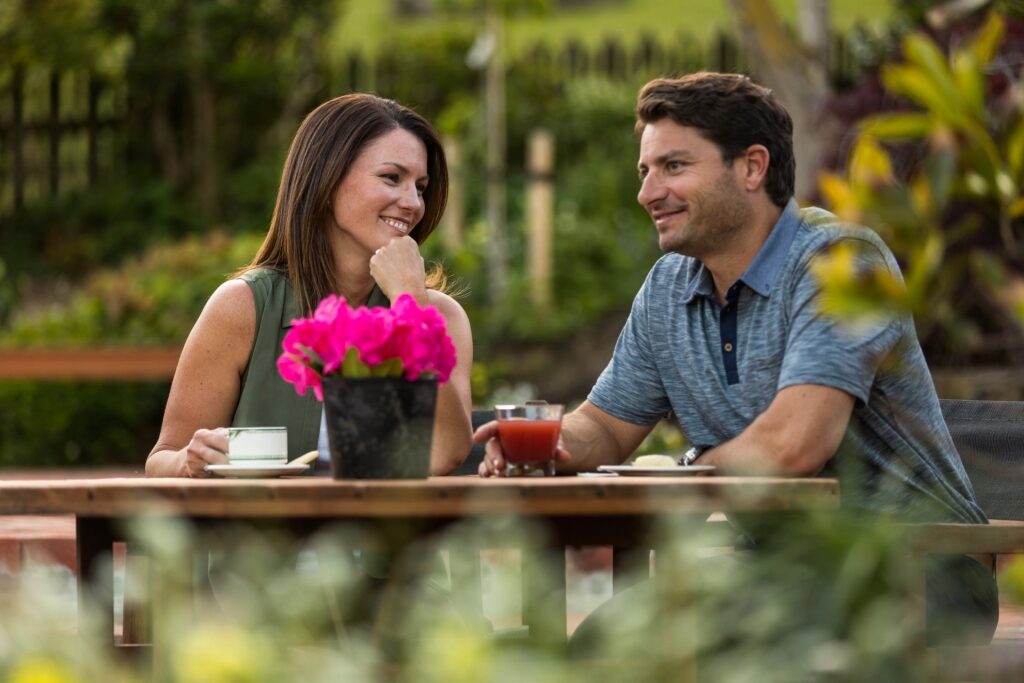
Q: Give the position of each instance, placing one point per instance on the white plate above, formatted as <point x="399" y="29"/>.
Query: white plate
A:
<point x="679" y="471"/>
<point x="254" y="471"/>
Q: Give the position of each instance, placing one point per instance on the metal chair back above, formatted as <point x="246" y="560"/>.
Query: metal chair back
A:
<point x="990" y="438"/>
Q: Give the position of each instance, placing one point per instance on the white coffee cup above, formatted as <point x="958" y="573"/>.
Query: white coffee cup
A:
<point x="258" y="445"/>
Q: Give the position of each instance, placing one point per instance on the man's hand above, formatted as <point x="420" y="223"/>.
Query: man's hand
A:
<point x="493" y="464"/>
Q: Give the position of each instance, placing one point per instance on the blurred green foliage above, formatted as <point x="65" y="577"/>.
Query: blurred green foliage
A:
<point x="955" y="219"/>
<point x="830" y="602"/>
<point x="79" y="424"/>
<point x="153" y="299"/>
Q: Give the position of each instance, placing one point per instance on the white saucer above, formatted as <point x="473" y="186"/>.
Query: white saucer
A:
<point x="255" y="471"/>
<point x="678" y="471"/>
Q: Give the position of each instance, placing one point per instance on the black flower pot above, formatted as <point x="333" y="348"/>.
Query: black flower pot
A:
<point x="379" y="427"/>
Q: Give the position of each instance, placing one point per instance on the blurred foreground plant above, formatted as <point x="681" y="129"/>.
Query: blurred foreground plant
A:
<point x="954" y="217"/>
<point x="827" y="599"/>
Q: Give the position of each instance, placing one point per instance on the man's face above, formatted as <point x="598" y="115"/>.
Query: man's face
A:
<point x="694" y="197"/>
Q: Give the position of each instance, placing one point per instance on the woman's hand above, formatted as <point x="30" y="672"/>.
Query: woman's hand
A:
<point x="207" y="447"/>
<point x="398" y="269"/>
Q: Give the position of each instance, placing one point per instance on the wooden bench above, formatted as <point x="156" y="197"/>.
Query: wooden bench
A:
<point x="45" y="540"/>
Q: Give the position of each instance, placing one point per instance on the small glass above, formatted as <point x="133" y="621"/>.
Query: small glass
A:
<point x="529" y="437"/>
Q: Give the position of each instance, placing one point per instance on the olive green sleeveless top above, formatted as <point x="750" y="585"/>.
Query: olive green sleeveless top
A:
<point x="266" y="400"/>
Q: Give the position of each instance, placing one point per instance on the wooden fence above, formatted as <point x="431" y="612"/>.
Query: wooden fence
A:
<point x="130" y="364"/>
<point x="612" y="58"/>
<point x="58" y="134"/>
<point x="62" y="132"/>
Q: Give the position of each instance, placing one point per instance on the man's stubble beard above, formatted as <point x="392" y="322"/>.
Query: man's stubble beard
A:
<point x="723" y="215"/>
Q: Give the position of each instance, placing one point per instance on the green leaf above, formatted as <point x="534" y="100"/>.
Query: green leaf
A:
<point x="914" y="84"/>
<point x="924" y="53"/>
<point x="986" y="268"/>
<point x="1015" y="148"/>
<point x="986" y="41"/>
<point x="970" y="83"/>
<point x="903" y="126"/>
<point x="1005" y="186"/>
<point x="926" y="262"/>
<point x="869" y="164"/>
<point x="353" y="366"/>
<point x="390" y="368"/>
<point x="315" y="362"/>
<point x="1016" y="209"/>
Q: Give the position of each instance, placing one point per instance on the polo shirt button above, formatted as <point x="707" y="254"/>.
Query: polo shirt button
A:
<point x="727" y="347"/>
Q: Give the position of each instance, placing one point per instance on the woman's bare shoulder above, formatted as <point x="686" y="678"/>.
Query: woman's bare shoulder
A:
<point x="444" y="303"/>
<point x="227" y="325"/>
<point x="233" y="304"/>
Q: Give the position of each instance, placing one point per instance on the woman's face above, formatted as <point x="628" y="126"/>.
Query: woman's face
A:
<point x="381" y="197"/>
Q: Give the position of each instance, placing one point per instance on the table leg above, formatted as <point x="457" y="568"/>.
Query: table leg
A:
<point x="544" y="603"/>
<point x="630" y="566"/>
<point x="467" y="591"/>
<point x="95" y="539"/>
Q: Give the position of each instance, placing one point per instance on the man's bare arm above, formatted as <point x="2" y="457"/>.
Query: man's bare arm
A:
<point x="593" y="438"/>
<point x="797" y="434"/>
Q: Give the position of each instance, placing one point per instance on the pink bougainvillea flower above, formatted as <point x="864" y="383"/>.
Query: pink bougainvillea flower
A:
<point x="300" y="375"/>
<point x="414" y="336"/>
<point x="370" y="330"/>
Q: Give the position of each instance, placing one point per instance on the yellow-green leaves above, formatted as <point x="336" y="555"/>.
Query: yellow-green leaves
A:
<point x="37" y="669"/>
<point x="952" y="89"/>
<point x="1015" y="150"/>
<point x="970" y="83"/>
<point x="967" y="179"/>
<point x="915" y="84"/>
<point x="901" y="126"/>
<point x="869" y="164"/>
<point x="931" y="66"/>
<point x="854" y="290"/>
<point x="986" y="40"/>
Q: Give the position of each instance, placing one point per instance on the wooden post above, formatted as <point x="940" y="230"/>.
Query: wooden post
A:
<point x="18" y="135"/>
<point x="494" y="107"/>
<point x="355" y="70"/>
<point x="455" y="212"/>
<point x="539" y="210"/>
<point x="93" y="130"/>
<point x="54" y="131"/>
<point x="815" y="28"/>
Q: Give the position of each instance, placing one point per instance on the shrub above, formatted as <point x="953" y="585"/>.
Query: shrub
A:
<point x="938" y="174"/>
<point x="154" y="299"/>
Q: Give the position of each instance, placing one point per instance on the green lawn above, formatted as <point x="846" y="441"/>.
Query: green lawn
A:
<point x="368" y="24"/>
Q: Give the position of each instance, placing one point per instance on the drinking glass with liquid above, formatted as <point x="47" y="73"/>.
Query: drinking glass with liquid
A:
<point x="529" y="437"/>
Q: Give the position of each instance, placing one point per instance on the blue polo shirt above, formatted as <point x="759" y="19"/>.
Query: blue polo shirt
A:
<point x="717" y="367"/>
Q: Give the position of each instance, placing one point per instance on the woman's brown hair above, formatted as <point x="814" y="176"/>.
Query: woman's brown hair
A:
<point x="322" y="152"/>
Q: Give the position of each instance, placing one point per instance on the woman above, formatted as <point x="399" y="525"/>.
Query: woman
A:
<point x="365" y="182"/>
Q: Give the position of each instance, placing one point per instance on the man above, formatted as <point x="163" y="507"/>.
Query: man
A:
<point x="727" y="333"/>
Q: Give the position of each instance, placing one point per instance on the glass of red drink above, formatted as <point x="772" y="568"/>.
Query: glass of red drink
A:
<point x="529" y="435"/>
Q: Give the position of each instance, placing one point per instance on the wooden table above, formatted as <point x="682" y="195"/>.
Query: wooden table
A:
<point x="616" y="511"/>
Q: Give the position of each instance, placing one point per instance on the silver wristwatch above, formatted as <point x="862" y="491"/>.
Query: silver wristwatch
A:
<point x="690" y="456"/>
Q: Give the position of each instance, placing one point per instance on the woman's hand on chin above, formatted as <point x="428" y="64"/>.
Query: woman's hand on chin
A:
<point x="398" y="269"/>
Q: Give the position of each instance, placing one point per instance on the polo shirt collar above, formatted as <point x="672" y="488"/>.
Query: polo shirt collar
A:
<point x="761" y="274"/>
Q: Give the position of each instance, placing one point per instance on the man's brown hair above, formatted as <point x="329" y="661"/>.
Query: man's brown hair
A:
<point x="731" y="111"/>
